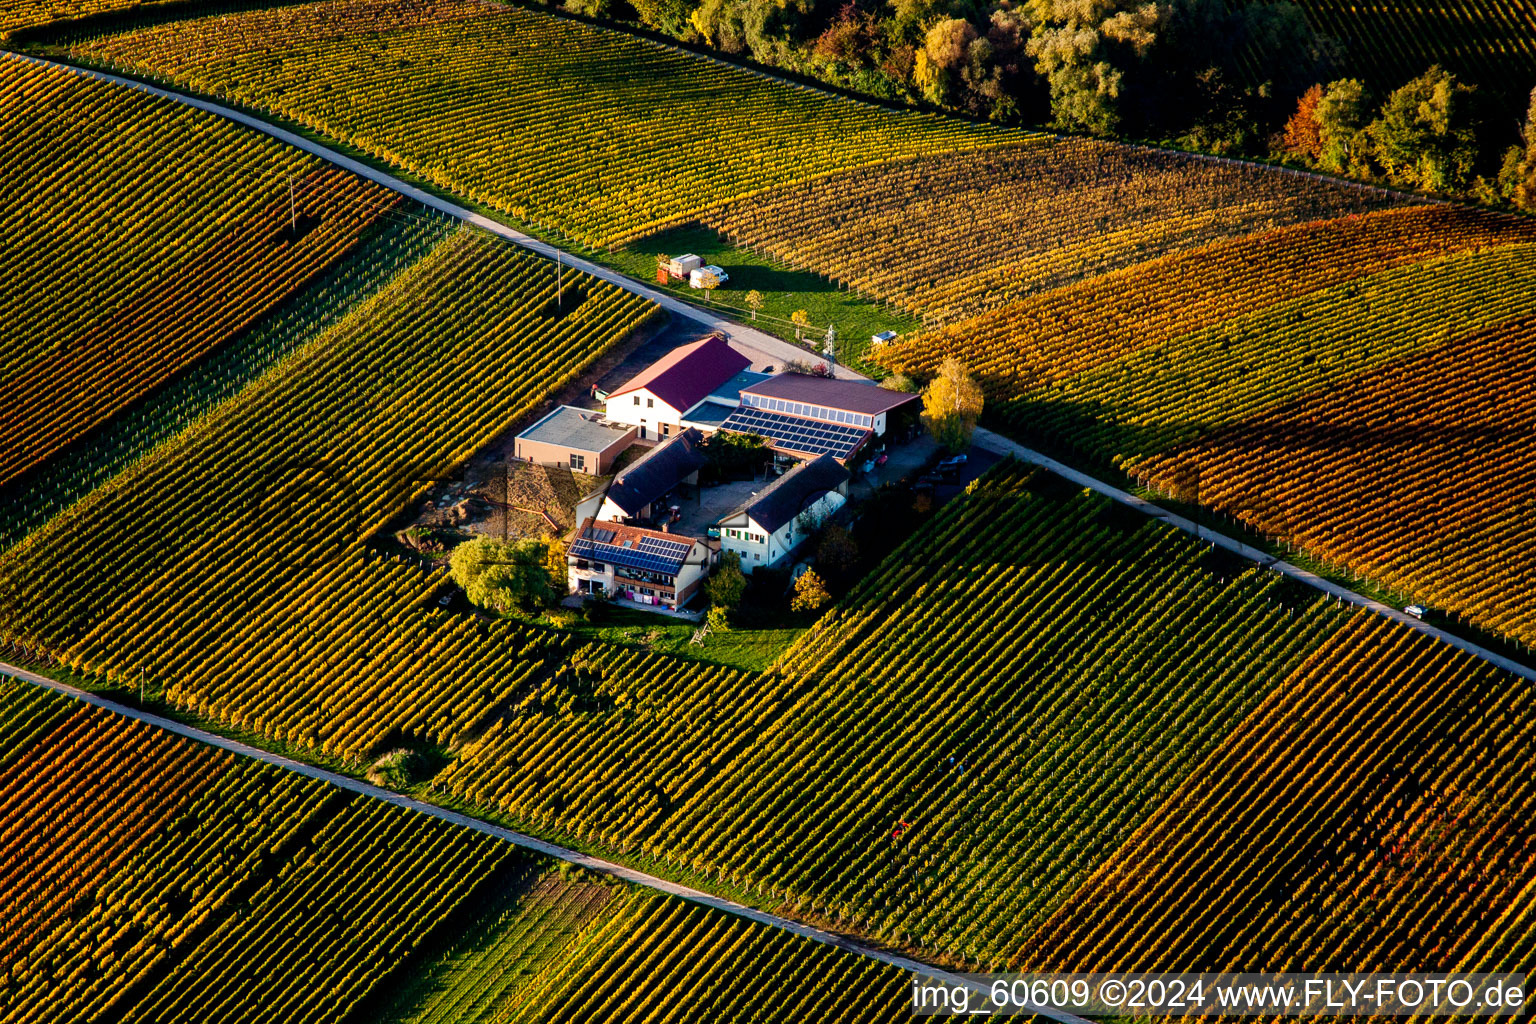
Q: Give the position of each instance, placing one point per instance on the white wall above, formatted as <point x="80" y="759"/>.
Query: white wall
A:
<point x="649" y="413"/>
<point x="771" y="549"/>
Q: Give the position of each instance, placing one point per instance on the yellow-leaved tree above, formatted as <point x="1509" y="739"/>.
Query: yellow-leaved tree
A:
<point x="952" y="404"/>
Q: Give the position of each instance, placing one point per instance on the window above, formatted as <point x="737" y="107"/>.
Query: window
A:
<point x="650" y="403"/>
<point x="578" y="461"/>
<point x="637" y="399"/>
<point x="666" y="429"/>
<point x="757" y="556"/>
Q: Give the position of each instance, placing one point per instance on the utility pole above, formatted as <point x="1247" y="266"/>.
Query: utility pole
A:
<point x="141" y="686"/>
<point x="293" y="217"/>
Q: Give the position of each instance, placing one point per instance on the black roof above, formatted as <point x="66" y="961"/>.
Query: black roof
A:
<point x="794" y="492"/>
<point x="660" y="470"/>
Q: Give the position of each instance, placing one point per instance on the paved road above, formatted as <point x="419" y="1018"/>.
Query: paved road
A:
<point x="596" y="864"/>
<point x="772" y="348"/>
<point x="997" y="443"/>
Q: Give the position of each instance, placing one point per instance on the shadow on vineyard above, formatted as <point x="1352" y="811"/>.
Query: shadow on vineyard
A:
<point x="86" y="463"/>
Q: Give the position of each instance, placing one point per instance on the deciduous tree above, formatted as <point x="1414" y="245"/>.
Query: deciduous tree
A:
<point x="1518" y="179"/>
<point x="1303" y="136"/>
<point x="810" y="593"/>
<point x="952" y="404"/>
<point x="728" y="583"/>
<point x="1341" y="116"/>
<point x="500" y="575"/>
<point x="1426" y="135"/>
<point x="801" y="319"/>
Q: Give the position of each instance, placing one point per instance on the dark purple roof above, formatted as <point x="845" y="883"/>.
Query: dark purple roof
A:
<point x="684" y="376"/>
<point x="847" y="395"/>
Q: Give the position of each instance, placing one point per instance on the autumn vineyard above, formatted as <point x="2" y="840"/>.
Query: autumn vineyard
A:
<point x="1173" y="614"/>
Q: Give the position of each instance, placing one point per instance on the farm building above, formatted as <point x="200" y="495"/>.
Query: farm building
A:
<point x="654" y="400"/>
<point x="708" y="414"/>
<point x="645" y="566"/>
<point x="578" y="439"/>
<point x="636" y="493"/>
<point x="766" y="530"/>
<point x="805" y="416"/>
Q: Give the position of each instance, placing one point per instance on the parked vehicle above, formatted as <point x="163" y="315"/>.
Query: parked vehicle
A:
<point x="701" y="277"/>
<point x="682" y="266"/>
<point x="950" y="466"/>
<point x="1416" y="610"/>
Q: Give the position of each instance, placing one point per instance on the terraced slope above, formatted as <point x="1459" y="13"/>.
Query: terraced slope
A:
<point x="20" y="14"/>
<point x="568" y="949"/>
<point x="1201" y="373"/>
<point x="165" y="881"/>
<point x="263" y="510"/>
<point x="593" y="133"/>
<point x="1371" y="811"/>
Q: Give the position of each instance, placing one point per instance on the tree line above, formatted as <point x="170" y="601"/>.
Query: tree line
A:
<point x="1250" y="80"/>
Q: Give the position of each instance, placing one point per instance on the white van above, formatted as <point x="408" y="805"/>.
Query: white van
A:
<point x="700" y="278"/>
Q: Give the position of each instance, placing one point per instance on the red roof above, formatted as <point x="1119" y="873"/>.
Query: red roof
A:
<point x="685" y="375"/>
<point x="834" y="393"/>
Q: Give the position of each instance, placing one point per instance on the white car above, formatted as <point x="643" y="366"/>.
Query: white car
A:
<point x="696" y="278"/>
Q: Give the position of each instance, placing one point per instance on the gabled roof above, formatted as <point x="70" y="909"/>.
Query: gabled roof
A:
<point x="730" y="392"/>
<point x="682" y="377"/>
<point x="793" y="493"/>
<point x="575" y="428"/>
<point x="835" y="393"/>
<point x="660" y="470"/>
<point x="631" y="547"/>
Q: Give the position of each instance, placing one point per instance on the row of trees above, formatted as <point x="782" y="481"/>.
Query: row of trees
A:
<point x="1424" y="135"/>
<point x="1205" y="74"/>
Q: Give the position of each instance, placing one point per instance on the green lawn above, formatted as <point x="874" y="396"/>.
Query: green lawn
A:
<point x="784" y="291"/>
<point x="750" y="649"/>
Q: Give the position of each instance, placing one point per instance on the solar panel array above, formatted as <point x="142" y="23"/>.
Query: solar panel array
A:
<point x="797" y="433"/>
<point x="600" y="535"/>
<point x="652" y="554"/>
<point x="674" y="549"/>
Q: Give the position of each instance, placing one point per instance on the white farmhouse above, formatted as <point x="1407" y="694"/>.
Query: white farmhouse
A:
<point x="655" y="399"/>
<point x="766" y="530"/>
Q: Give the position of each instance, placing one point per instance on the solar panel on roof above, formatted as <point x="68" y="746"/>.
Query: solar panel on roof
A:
<point x="811" y="436"/>
<point x="601" y="536"/>
<point x="662" y="556"/>
<point x="676" y="549"/>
